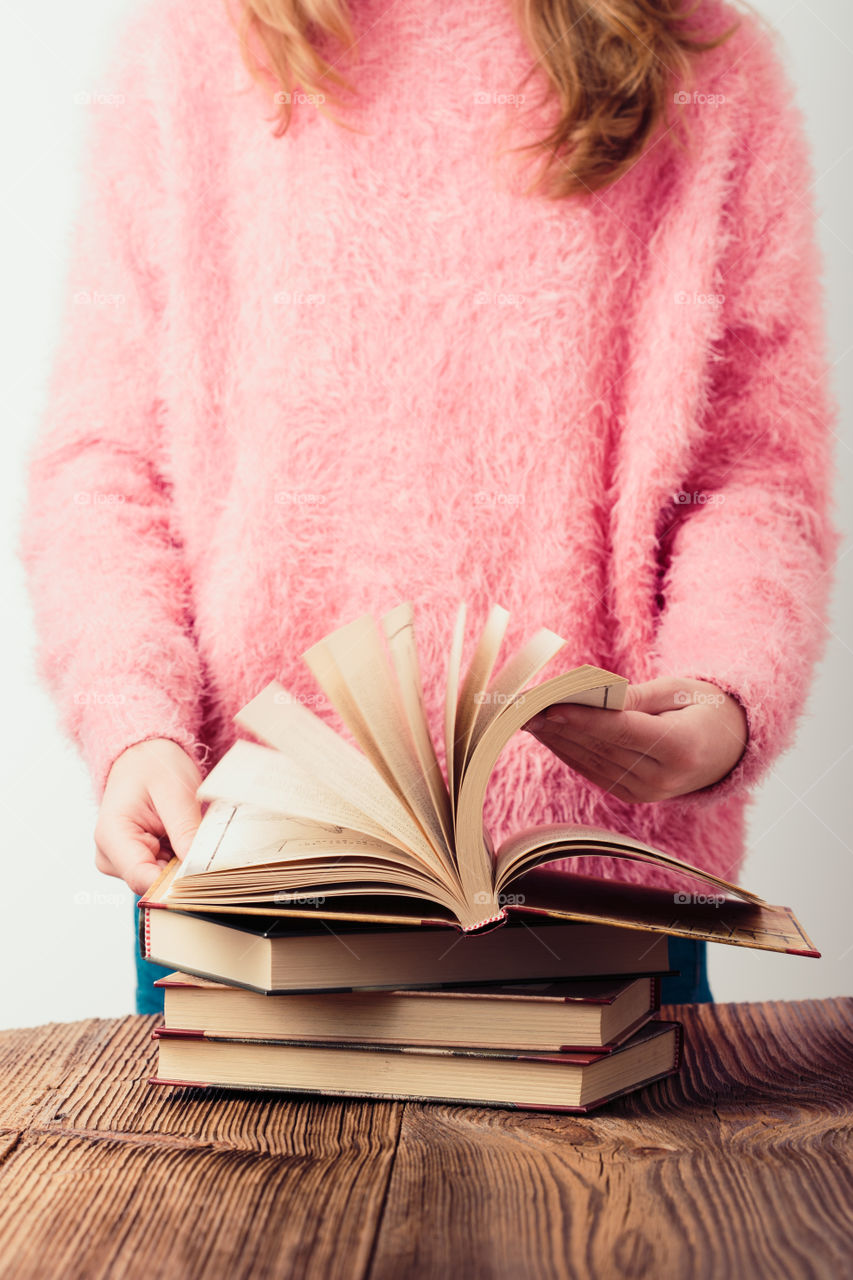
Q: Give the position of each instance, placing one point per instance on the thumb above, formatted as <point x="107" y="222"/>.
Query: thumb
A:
<point x="180" y="812"/>
<point x="664" y="693"/>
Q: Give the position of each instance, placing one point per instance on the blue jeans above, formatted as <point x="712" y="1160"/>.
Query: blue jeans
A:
<point x="149" y="999"/>
<point x="690" y="986"/>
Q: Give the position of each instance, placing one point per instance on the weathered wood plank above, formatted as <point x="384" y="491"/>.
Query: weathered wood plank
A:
<point x="85" y="1207"/>
<point x="738" y="1166"/>
<point x="741" y="1165"/>
<point x="103" y="1174"/>
<point x="97" y="1080"/>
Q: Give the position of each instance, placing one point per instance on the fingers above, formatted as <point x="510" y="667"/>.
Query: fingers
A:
<point x="674" y="736"/>
<point x="577" y="740"/>
<point x="636" y="732"/>
<point x="125" y="850"/>
<point x="179" y="811"/>
<point x="150" y="793"/>
<point x="624" y="783"/>
<point x="664" y="693"/>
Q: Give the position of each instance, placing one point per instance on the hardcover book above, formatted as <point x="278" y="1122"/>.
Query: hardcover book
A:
<point x="273" y="955"/>
<point x="479" y="1077"/>
<point x="557" y="1016"/>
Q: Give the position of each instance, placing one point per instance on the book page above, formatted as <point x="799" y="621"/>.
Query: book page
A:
<point x="451" y="700"/>
<point x="511" y="679"/>
<point x="235" y="836"/>
<point x="352" y="667"/>
<point x="475" y="862"/>
<point x="536" y="845"/>
<point x="475" y="684"/>
<point x="244" y="854"/>
<point x="399" y="629"/>
<point x="265" y="779"/>
<point x="313" y="748"/>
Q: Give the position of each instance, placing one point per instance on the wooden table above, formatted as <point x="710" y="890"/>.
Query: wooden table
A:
<point x="738" y="1167"/>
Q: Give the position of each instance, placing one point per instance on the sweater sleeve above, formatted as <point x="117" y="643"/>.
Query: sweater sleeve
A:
<point x="749" y="542"/>
<point x="106" y="575"/>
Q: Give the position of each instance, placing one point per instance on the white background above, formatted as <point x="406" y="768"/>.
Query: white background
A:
<point x="65" y="930"/>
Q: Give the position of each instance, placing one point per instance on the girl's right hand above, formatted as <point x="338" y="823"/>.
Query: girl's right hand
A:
<point x="149" y="793"/>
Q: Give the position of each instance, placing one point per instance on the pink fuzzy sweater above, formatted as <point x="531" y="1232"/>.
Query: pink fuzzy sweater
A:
<point x="306" y="377"/>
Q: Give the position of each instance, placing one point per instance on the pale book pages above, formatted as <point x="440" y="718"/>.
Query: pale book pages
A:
<point x="350" y="831"/>
<point x="312" y="748"/>
<point x="398" y="627"/>
<point x="238" y="835"/>
<point x="586" y="684"/>
<point x="529" y="848"/>
<point x="354" y="657"/>
<point x="251" y="774"/>
<point x="517" y="672"/>
<point x="451" y="701"/>
<point x="476" y="680"/>
<point x="297" y="851"/>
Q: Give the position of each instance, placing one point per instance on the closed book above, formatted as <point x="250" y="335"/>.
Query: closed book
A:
<point x="574" y="1081"/>
<point x="556" y="1016"/>
<point x="275" y="955"/>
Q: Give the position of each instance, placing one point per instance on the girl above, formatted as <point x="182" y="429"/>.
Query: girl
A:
<point x="502" y="300"/>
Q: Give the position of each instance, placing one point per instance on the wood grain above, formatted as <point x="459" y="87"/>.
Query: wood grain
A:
<point x="115" y="1177"/>
<point x="739" y="1166"/>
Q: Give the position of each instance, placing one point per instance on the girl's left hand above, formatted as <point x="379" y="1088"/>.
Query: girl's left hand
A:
<point x="672" y="737"/>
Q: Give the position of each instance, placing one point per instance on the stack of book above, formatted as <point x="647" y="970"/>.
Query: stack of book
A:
<point x="287" y="1017"/>
<point x="343" y="923"/>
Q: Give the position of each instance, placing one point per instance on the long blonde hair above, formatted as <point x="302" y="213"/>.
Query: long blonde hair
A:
<point x="612" y="79"/>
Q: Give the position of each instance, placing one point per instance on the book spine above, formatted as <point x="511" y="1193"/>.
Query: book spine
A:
<point x="144" y="933"/>
<point x="679" y="1045"/>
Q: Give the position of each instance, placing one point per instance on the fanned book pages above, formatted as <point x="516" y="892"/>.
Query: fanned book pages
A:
<point x="303" y="822"/>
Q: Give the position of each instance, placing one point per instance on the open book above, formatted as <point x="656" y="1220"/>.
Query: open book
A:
<point x="303" y="822"/>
